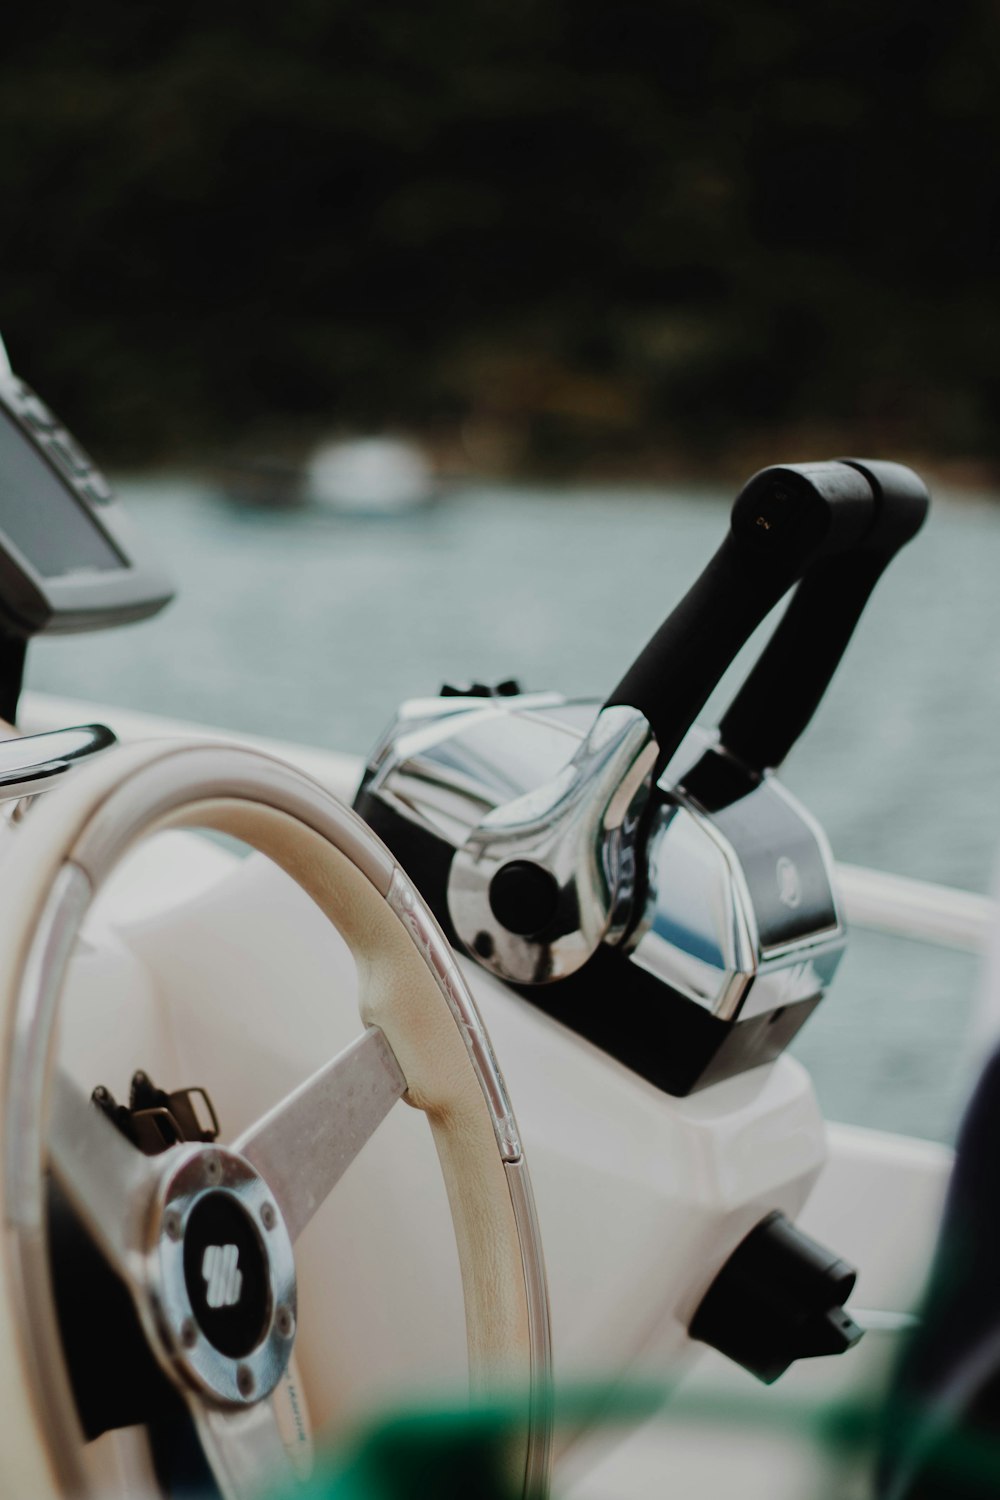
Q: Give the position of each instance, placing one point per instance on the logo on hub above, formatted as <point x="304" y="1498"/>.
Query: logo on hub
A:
<point x="224" y="1279"/>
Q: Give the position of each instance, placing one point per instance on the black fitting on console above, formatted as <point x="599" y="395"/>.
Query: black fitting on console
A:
<point x="779" y="1297"/>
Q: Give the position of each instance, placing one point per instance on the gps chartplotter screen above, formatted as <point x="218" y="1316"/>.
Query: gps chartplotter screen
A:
<point x="43" y="518"/>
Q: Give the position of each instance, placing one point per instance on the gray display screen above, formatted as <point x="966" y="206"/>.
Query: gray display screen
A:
<point x="42" y="517"/>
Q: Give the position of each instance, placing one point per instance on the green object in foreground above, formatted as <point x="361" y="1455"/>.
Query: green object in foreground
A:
<point x="458" y="1453"/>
<point x="447" y="1455"/>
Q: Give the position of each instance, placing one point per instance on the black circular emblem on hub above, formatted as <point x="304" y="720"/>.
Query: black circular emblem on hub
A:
<point x="226" y="1272"/>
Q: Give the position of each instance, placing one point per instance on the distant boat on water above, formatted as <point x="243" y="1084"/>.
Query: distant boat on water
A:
<point x="362" y="476"/>
<point x="370" y="476"/>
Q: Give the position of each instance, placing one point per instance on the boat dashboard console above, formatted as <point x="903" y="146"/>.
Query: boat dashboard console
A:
<point x="736" y="929"/>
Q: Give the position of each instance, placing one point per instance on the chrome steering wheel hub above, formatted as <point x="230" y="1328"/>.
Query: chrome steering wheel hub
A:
<point x="220" y="1283"/>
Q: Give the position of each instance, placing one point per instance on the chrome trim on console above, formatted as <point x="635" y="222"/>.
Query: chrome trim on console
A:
<point x="699" y="933"/>
<point x="33" y="763"/>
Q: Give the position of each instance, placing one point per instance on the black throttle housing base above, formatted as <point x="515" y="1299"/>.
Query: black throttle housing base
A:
<point x="779" y="1297"/>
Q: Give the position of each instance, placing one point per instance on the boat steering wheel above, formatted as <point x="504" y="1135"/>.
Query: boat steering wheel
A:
<point x="202" y="1235"/>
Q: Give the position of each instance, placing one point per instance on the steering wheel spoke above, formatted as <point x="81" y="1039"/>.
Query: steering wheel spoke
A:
<point x="304" y="1145"/>
<point x="243" y="1447"/>
<point x="106" y="1179"/>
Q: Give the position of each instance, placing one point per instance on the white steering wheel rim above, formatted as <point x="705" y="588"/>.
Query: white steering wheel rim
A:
<point x="55" y="863"/>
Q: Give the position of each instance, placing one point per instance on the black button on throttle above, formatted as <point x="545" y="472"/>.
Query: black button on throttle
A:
<point x="524" y="898"/>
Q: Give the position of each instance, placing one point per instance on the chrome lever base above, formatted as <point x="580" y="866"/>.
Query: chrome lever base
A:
<point x="545" y="879"/>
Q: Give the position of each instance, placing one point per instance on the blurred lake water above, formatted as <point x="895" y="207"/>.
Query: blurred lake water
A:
<point x="312" y="627"/>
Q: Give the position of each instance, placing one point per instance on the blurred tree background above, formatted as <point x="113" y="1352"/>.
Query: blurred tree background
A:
<point x="549" y="234"/>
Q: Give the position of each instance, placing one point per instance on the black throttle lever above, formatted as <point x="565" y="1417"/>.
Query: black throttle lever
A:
<point x="784" y="689"/>
<point x="834" y="526"/>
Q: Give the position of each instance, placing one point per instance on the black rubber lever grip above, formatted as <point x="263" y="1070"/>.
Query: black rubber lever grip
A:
<point x="793" y="672"/>
<point x="839" y="523"/>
